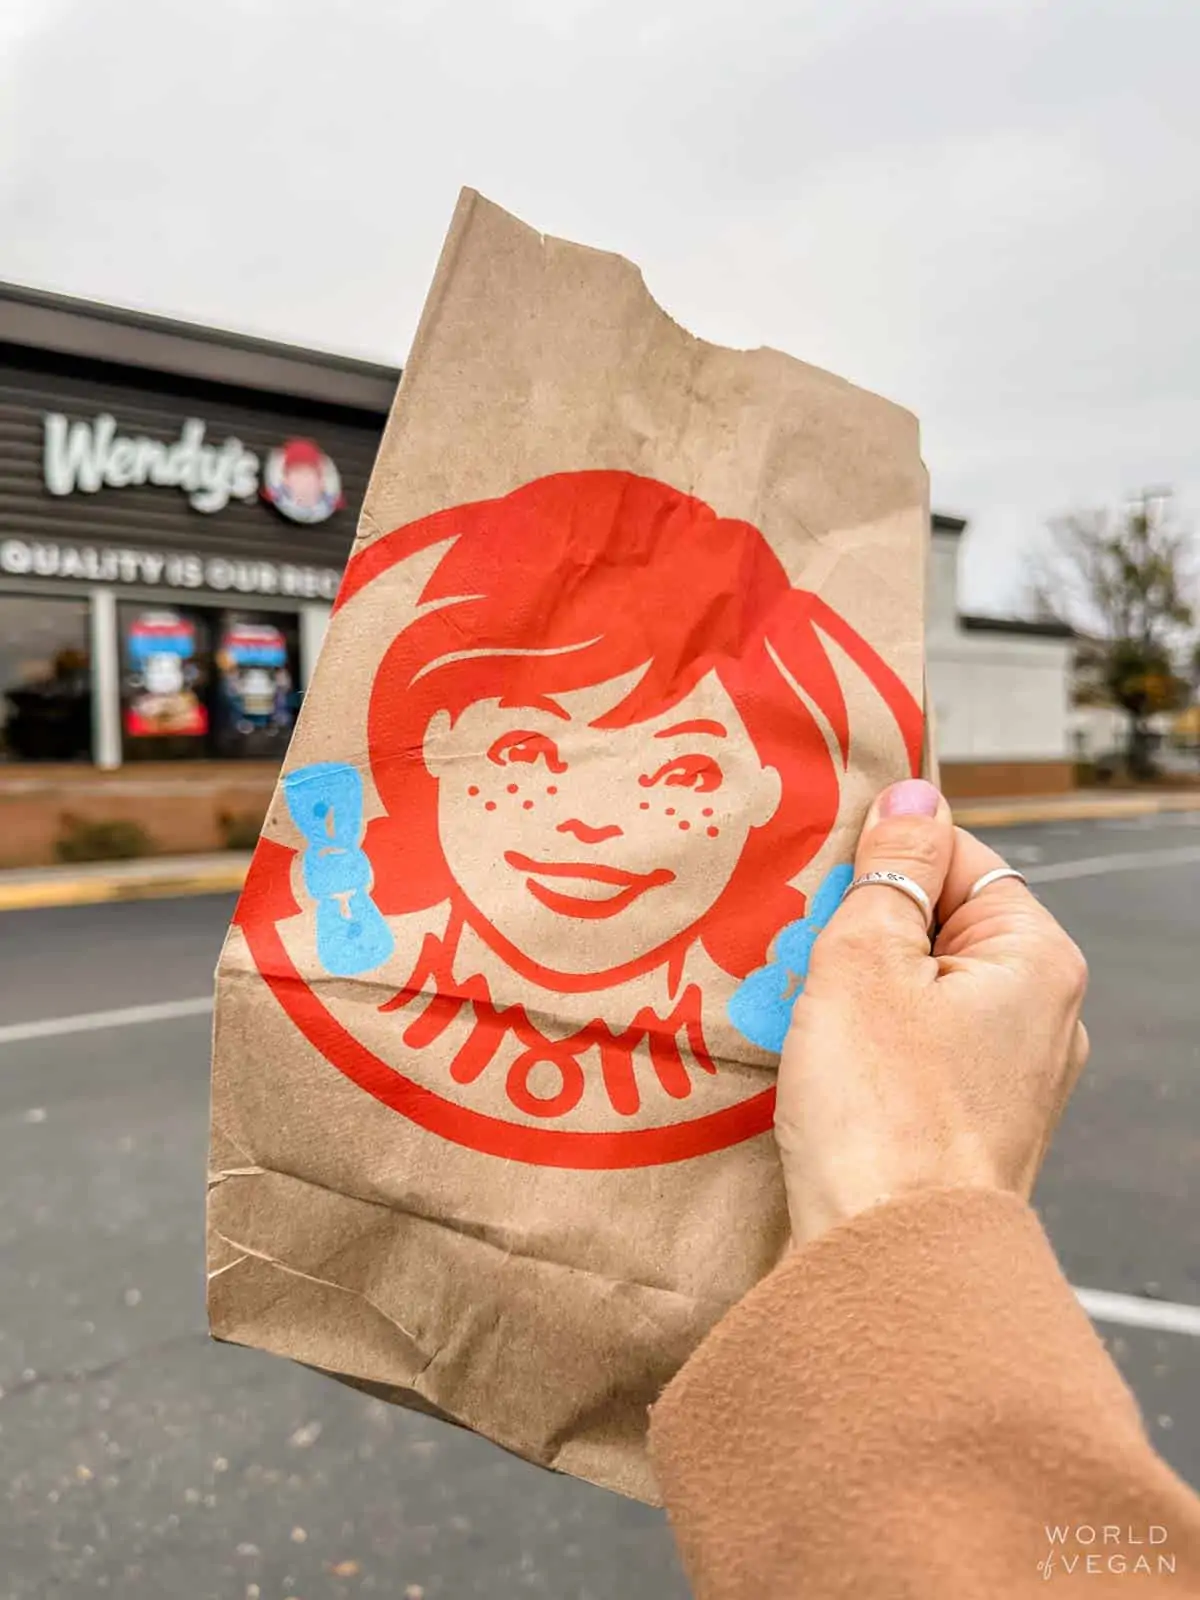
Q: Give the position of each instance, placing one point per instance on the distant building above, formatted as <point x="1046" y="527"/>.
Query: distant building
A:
<point x="1000" y="689"/>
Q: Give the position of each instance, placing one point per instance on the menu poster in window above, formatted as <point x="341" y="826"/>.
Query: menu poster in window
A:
<point x="256" y="684"/>
<point x="160" y="647"/>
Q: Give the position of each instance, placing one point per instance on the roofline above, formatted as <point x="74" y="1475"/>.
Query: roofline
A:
<point x="1022" y="625"/>
<point x="86" y="330"/>
<point x="941" y="523"/>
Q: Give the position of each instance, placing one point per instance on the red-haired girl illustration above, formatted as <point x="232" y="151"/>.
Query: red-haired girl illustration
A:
<point x="599" y="745"/>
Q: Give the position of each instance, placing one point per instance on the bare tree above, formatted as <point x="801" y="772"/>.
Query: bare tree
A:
<point x="1121" y="580"/>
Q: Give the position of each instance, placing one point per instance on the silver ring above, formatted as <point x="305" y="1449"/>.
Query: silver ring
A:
<point x="994" y="876"/>
<point x="896" y="880"/>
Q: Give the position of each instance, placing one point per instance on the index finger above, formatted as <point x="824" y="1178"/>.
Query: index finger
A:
<point x="1004" y="918"/>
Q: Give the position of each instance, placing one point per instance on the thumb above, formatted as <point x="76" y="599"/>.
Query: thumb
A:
<point x="908" y="834"/>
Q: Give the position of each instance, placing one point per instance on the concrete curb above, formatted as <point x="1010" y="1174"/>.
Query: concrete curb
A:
<point x="147" y="880"/>
<point x="33" y="893"/>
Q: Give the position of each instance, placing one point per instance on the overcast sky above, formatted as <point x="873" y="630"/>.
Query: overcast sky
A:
<point x="988" y="210"/>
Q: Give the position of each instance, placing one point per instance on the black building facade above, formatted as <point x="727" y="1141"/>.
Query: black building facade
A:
<point x="176" y="506"/>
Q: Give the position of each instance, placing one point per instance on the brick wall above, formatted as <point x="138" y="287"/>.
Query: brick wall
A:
<point x="180" y="806"/>
<point x="985" y="780"/>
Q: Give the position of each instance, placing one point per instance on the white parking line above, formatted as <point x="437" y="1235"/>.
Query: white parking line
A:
<point x="1133" y="1312"/>
<point x="1120" y="861"/>
<point x="89" y="1021"/>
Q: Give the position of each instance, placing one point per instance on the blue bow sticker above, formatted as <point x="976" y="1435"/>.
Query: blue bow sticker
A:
<point x="760" y="1008"/>
<point x="326" y="803"/>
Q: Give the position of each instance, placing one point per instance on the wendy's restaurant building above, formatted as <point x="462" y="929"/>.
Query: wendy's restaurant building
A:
<point x="176" y="506"/>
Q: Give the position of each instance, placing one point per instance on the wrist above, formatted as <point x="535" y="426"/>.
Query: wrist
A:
<point x="813" y="1214"/>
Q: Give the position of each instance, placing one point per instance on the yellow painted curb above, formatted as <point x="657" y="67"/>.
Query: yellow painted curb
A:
<point x="34" y="895"/>
<point x="1009" y="814"/>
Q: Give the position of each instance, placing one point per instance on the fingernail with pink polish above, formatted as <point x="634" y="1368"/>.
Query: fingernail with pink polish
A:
<point x="912" y="798"/>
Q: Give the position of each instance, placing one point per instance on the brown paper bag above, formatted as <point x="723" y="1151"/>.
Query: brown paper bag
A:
<point x="631" y="633"/>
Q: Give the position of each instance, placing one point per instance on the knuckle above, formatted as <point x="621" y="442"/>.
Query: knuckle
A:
<point x="1061" y="959"/>
<point x="1074" y="967"/>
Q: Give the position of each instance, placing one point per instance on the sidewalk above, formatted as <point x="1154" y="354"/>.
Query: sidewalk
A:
<point x="157" y="877"/>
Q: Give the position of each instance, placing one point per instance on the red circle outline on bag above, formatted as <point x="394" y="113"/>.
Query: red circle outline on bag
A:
<point x="759" y="635"/>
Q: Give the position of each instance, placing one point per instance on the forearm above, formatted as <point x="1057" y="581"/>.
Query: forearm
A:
<point x="904" y="1407"/>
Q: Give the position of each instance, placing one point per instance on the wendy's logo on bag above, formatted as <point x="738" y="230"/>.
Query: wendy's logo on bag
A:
<point x="604" y="745"/>
<point x="301" y="482"/>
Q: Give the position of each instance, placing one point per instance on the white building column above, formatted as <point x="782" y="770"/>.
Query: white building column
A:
<point x="106" y="680"/>
<point x="314" y="620"/>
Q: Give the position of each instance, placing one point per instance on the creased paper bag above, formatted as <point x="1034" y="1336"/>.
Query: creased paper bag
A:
<point x="631" y="633"/>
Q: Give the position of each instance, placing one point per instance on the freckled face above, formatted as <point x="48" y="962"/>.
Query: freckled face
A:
<point x="589" y="848"/>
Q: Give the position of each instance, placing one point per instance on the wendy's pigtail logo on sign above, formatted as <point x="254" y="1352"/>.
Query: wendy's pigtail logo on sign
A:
<point x="301" y="482"/>
<point x="606" y="738"/>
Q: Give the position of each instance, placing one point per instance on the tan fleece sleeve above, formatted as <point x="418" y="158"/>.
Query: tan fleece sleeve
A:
<point x="904" y="1408"/>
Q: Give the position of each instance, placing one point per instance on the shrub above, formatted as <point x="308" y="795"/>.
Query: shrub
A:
<point x="115" y="840"/>
<point x="240" y="829"/>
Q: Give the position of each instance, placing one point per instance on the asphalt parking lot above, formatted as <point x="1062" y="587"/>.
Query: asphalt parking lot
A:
<point x="138" y="1459"/>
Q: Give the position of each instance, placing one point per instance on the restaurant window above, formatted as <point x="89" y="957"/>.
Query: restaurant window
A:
<point x="257" y="682"/>
<point x="205" y="682"/>
<point x="166" y="666"/>
<point x="45" y="680"/>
